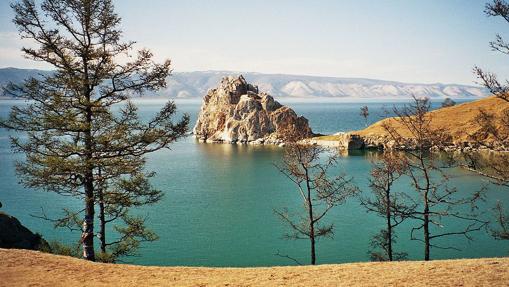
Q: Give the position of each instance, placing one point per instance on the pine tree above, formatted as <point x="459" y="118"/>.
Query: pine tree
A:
<point x="75" y="143"/>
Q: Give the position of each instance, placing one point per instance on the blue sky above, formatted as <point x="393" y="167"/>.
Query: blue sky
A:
<point x="410" y="41"/>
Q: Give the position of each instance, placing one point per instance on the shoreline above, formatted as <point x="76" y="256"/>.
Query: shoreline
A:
<point x="355" y="141"/>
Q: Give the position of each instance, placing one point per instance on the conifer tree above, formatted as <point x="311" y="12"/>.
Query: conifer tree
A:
<point x="75" y="144"/>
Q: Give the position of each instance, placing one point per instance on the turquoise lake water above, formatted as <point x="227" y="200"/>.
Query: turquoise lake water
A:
<point x="219" y="201"/>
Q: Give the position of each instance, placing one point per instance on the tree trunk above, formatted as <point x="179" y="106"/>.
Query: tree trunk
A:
<point x="102" y="222"/>
<point x="312" y="233"/>
<point x="311" y="222"/>
<point x="426" y="231"/>
<point x="87" y="236"/>
<point x="426" y="207"/>
<point x="389" y="225"/>
<point x="313" y="254"/>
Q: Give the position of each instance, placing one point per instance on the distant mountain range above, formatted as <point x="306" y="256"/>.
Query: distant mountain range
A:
<point x="18" y="75"/>
<point x="196" y="84"/>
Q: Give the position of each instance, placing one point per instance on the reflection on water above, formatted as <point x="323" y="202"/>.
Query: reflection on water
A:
<point x="232" y="150"/>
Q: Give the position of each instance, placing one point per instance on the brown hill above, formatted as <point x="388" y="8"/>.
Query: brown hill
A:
<point x="458" y="121"/>
<point x="32" y="268"/>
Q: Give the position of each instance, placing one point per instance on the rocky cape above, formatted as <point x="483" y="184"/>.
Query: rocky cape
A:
<point x="236" y="112"/>
<point x="458" y="122"/>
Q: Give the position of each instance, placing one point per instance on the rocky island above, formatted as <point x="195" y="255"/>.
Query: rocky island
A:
<point x="236" y="112"/>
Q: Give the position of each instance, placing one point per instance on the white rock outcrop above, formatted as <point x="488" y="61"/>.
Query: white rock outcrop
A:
<point x="236" y="112"/>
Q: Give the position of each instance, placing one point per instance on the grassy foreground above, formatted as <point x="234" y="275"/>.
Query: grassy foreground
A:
<point x="32" y="268"/>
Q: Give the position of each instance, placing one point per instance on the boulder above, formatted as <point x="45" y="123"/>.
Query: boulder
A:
<point x="236" y="112"/>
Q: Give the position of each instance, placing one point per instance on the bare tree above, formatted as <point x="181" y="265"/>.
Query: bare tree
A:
<point x="497" y="8"/>
<point x="365" y="113"/>
<point x="382" y="243"/>
<point x="435" y="198"/>
<point x="502" y="232"/>
<point x="313" y="171"/>
<point x="387" y="203"/>
<point x="494" y="129"/>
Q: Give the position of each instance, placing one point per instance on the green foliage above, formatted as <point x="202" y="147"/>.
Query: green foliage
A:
<point x="132" y="233"/>
<point x="59" y="248"/>
<point x="74" y="143"/>
<point x="105" y="257"/>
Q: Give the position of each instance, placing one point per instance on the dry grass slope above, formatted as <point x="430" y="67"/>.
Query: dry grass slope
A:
<point x="459" y="121"/>
<point x="31" y="268"/>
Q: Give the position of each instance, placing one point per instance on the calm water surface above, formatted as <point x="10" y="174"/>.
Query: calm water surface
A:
<point x="219" y="201"/>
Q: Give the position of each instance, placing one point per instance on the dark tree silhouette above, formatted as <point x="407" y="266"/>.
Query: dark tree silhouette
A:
<point x="448" y="102"/>
<point x="75" y="144"/>
<point x="313" y="171"/>
<point x="435" y="199"/>
<point x="502" y="232"/>
<point x="365" y="113"/>
<point x="494" y="130"/>
<point x="387" y="203"/>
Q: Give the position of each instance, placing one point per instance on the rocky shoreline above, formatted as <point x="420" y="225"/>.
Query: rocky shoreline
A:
<point x="355" y="141"/>
<point x="459" y="125"/>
